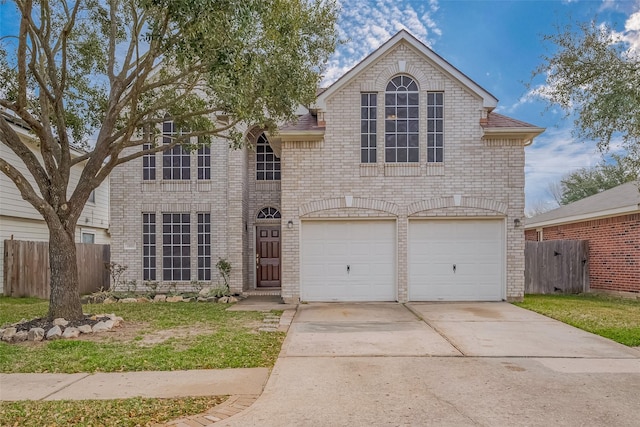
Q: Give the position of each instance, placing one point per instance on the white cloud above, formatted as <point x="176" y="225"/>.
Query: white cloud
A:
<point x="554" y="154"/>
<point x="365" y="25"/>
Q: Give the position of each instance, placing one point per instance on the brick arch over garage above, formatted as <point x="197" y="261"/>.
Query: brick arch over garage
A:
<point x="345" y="202"/>
<point x="450" y="202"/>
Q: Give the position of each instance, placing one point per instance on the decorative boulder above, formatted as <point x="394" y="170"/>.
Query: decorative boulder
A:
<point x="71" y="333"/>
<point x="54" y="333"/>
<point x="35" y="334"/>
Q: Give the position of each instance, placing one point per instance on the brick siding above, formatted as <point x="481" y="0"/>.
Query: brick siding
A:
<point x="614" y="249"/>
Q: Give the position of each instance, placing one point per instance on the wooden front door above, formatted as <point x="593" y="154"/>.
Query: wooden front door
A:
<point x="268" y="256"/>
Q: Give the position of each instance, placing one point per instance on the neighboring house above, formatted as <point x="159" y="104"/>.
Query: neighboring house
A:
<point x="20" y="221"/>
<point x="610" y="221"/>
<point x="399" y="184"/>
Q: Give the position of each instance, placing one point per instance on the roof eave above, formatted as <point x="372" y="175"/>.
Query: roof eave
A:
<point x="527" y="134"/>
<point x="624" y="210"/>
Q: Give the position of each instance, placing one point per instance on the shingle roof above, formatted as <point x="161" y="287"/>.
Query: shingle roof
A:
<point x="495" y="120"/>
<point x="306" y="122"/>
<point x="622" y="199"/>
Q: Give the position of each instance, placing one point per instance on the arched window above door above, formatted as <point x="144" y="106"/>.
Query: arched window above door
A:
<point x="268" y="213"/>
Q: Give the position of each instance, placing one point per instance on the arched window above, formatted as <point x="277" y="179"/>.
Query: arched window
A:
<point x="269" y="213"/>
<point x="267" y="163"/>
<point x="402" y="108"/>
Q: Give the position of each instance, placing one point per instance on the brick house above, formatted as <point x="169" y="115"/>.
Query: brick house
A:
<point x="610" y="221"/>
<point x="399" y="184"/>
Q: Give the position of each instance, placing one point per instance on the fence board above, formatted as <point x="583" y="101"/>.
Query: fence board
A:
<point x="26" y="268"/>
<point x="556" y="266"/>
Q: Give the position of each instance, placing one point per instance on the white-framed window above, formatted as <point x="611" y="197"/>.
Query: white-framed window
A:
<point x="87" y="236"/>
<point x="176" y="162"/>
<point x="435" y="127"/>
<point x="92" y="197"/>
<point x="268" y="213"/>
<point x="204" y="246"/>
<point x="368" y="111"/>
<point x="176" y="246"/>
<point x="402" y="120"/>
<point x="204" y="162"/>
<point x="148" y="246"/>
<point x="267" y="163"/>
<point x="148" y="164"/>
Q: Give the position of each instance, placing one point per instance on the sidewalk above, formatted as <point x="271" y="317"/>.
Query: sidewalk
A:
<point x="122" y="385"/>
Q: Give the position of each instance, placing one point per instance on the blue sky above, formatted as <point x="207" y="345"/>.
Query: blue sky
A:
<point x="497" y="43"/>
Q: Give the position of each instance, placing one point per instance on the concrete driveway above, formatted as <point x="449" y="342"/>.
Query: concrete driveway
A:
<point x="444" y="364"/>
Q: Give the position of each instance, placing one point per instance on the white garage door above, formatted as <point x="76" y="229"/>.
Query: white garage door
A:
<point x="456" y="260"/>
<point x="348" y="261"/>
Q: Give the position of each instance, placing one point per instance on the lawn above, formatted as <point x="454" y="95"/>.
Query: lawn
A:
<point x="123" y="412"/>
<point x="608" y="316"/>
<point x="155" y="337"/>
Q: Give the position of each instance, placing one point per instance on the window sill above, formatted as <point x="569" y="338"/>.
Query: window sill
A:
<point x="368" y="169"/>
<point x="402" y="169"/>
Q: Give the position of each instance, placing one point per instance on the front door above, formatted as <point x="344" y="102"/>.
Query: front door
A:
<point x="268" y="256"/>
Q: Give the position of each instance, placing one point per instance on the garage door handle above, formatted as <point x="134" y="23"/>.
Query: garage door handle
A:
<point x="454" y="268"/>
<point x="348" y="269"/>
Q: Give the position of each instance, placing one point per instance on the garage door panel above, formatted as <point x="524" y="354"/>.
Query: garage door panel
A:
<point x="475" y="247"/>
<point x="367" y="247"/>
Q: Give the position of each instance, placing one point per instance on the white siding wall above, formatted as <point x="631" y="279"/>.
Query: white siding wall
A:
<point x="20" y="220"/>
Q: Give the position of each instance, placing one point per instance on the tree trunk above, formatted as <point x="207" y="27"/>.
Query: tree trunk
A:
<point x="64" y="300"/>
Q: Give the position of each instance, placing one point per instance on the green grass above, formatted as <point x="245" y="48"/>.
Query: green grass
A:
<point x="121" y="412"/>
<point x="608" y="316"/>
<point x="206" y="337"/>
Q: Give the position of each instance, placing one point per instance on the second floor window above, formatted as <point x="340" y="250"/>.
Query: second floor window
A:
<point x="435" y="127"/>
<point x="368" y="108"/>
<point x="267" y="163"/>
<point x="204" y="162"/>
<point x="402" y="120"/>
<point x="176" y="162"/>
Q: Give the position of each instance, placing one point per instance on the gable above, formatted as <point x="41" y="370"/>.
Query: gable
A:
<point x="405" y="41"/>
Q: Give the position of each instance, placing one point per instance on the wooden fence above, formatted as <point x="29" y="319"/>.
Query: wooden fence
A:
<point x="26" y="268"/>
<point x="556" y="266"/>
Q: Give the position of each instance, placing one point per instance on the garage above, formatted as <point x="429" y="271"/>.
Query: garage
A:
<point x="456" y="260"/>
<point x="348" y="261"/>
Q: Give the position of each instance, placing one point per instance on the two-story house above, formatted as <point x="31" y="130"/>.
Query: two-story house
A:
<point x="20" y="221"/>
<point x="399" y="184"/>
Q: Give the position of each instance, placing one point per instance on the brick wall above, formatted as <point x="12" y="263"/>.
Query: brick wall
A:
<point x="488" y="175"/>
<point x="614" y="250"/>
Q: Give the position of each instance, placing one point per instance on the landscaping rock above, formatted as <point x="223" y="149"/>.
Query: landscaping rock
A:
<point x="205" y="291"/>
<point x="71" y="333"/>
<point x="60" y="322"/>
<point x="54" y="333"/>
<point x="8" y="334"/>
<point x="223" y="300"/>
<point x="177" y="298"/>
<point x="20" y="336"/>
<point x="100" y="327"/>
<point x="35" y="334"/>
<point x="110" y="301"/>
<point x="160" y="298"/>
<point x="267" y="329"/>
<point x="186" y="299"/>
<point x="143" y="299"/>
<point x="85" y="329"/>
<point x="233" y="299"/>
<point x="129" y="300"/>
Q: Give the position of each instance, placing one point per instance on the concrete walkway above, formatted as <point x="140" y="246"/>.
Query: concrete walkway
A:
<point x="480" y="364"/>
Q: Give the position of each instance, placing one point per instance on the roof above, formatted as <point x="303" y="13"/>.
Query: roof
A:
<point x="306" y="122"/>
<point x="488" y="100"/>
<point x="499" y="126"/>
<point x="495" y="120"/>
<point x="620" y="200"/>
